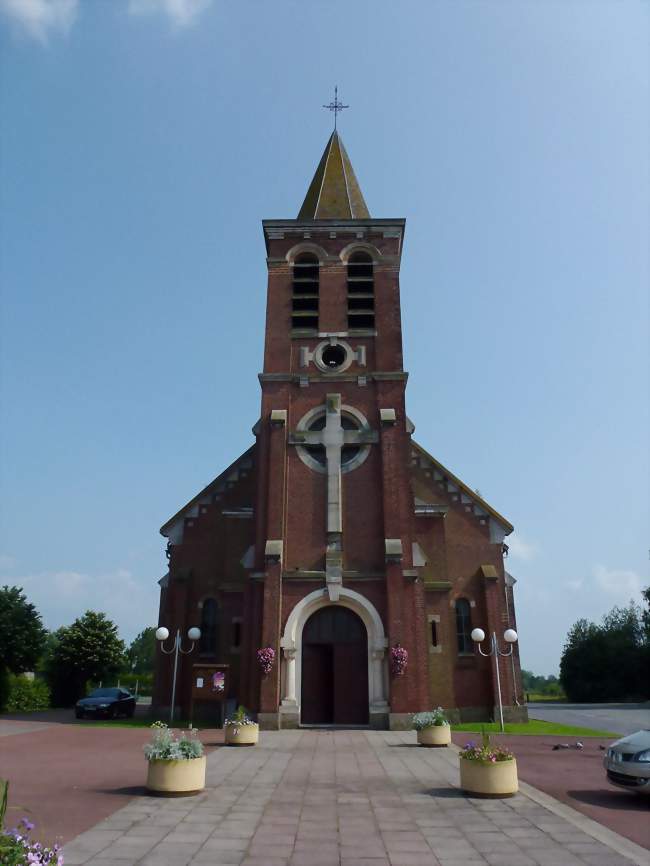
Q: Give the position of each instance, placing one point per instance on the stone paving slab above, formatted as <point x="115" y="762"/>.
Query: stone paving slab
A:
<point x="346" y="798"/>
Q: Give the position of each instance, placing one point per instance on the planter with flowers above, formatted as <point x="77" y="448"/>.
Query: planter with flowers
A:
<point x="487" y="770"/>
<point x="176" y="763"/>
<point x="16" y="848"/>
<point x="433" y="728"/>
<point x="240" y="730"/>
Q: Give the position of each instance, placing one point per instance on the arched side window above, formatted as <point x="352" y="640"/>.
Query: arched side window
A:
<point x="361" y="291"/>
<point x="209" y="643"/>
<point x="304" y="301"/>
<point x="464" y="626"/>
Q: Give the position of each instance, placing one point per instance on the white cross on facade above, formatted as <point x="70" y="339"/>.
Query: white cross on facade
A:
<point x="333" y="437"/>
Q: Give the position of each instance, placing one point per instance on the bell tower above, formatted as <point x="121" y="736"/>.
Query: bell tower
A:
<point x="333" y="440"/>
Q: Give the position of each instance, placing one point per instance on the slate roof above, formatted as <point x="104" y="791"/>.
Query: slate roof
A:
<point x="334" y="192"/>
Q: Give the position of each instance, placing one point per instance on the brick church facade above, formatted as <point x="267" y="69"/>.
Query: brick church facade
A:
<point x="336" y="538"/>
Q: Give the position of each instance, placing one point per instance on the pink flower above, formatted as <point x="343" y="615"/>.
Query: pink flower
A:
<point x="399" y="659"/>
<point x="266" y="658"/>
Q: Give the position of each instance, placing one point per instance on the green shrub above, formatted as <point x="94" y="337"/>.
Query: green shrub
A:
<point x="27" y="696"/>
<point x="4" y="687"/>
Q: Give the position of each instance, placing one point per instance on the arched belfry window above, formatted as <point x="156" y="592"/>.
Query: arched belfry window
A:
<point x="361" y="291"/>
<point x="464" y="626"/>
<point x="304" y="301"/>
<point x="209" y="643"/>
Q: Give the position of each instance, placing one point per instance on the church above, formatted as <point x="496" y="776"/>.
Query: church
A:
<point x="336" y="544"/>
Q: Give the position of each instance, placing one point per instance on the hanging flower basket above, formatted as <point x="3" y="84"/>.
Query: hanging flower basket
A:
<point x="265" y="659"/>
<point x="399" y="659"/>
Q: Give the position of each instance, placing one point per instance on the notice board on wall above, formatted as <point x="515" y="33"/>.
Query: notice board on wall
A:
<point x="209" y="687"/>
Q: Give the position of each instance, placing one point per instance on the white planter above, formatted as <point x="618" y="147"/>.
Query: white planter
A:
<point x="180" y="778"/>
<point x="242" y="735"/>
<point x="435" y="735"/>
<point x="485" y="779"/>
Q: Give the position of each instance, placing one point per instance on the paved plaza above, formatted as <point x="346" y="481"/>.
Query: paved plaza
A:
<point x="346" y="798"/>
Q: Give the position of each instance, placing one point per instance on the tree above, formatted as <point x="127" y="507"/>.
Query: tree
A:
<point x="607" y="662"/>
<point x="89" y="649"/>
<point x="142" y="652"/>
<point x="541" y="685"/>
<point x="645" y="615"/>
<point x="22" y="636"/>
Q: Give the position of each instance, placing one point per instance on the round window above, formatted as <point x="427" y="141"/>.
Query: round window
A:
<point x="348" y="452"/>
<point x="353" y="453"/>
<point x="334" y="356"/>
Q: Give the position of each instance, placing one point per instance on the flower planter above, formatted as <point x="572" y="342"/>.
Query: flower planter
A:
<point x="242" y="735"/>
<point x="488" y="779"/>
<point x="435" y="735"/>
<point x="176" y="778"/>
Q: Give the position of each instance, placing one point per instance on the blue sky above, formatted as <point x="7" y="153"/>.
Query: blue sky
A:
<point x="143" y="142"/>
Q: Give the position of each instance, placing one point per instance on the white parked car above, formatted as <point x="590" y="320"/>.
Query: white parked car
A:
<point x="627" y="762"/>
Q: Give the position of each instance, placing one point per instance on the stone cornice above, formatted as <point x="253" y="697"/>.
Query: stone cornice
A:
<point x="279" y="264"/>
<point x="360" y="229"/>
<point x="324" y="378"/>
<point x="300" y="226"/>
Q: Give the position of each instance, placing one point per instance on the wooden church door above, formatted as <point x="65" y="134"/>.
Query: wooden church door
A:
<point x="334" y="682"/>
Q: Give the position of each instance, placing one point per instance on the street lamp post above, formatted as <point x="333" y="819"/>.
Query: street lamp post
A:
<point x="162" y="634"/>
<point x="510" y="637"/>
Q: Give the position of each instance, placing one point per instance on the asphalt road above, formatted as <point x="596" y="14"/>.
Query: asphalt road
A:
<point x="617" y="718"/>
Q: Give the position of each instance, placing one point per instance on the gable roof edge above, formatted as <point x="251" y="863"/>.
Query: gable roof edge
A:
<point x="164" y="529"/>
<point x="471" y="493"/>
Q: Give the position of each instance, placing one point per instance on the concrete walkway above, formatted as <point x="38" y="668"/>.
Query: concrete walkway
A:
<point x="346" y="798"/>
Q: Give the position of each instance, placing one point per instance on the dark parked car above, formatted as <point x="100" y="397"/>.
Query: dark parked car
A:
<point x="106" y="703"/>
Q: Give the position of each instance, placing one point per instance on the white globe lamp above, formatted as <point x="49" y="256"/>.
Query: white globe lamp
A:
<point x="510" y="635"/>
<point x="194" y="633"/>
<point x="478" y="635"/>
<point x="162" y="633"/>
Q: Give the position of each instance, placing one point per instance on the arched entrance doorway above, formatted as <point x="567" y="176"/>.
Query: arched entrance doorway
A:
<point x="334" y="683"/>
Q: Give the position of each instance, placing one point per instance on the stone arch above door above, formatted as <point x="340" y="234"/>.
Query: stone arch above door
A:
<point x="291" y="643"/>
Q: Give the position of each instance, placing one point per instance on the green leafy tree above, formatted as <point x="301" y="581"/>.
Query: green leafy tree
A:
<point x="645" y="615"/>
<point x="22" y="636"/>
<point x="89" y="649"/>
<point x="607" y="662"/>
<point x="541" y="685"/>
<point x="142" y="652"/>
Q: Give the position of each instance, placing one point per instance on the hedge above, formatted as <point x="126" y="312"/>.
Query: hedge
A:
<point x="27" y="696"/>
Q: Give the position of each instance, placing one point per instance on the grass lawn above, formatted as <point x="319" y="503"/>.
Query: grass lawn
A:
<point x="534" y="726"/>
<point x="536" y="697"/>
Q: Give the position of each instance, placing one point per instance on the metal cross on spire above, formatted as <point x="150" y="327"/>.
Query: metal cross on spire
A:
<point x="336" y="105"/>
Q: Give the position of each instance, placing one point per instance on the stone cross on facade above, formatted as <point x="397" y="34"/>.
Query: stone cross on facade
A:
<point x="332" y="437"/>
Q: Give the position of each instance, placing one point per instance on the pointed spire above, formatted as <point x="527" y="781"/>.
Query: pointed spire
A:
<point x="334" y="192"/>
